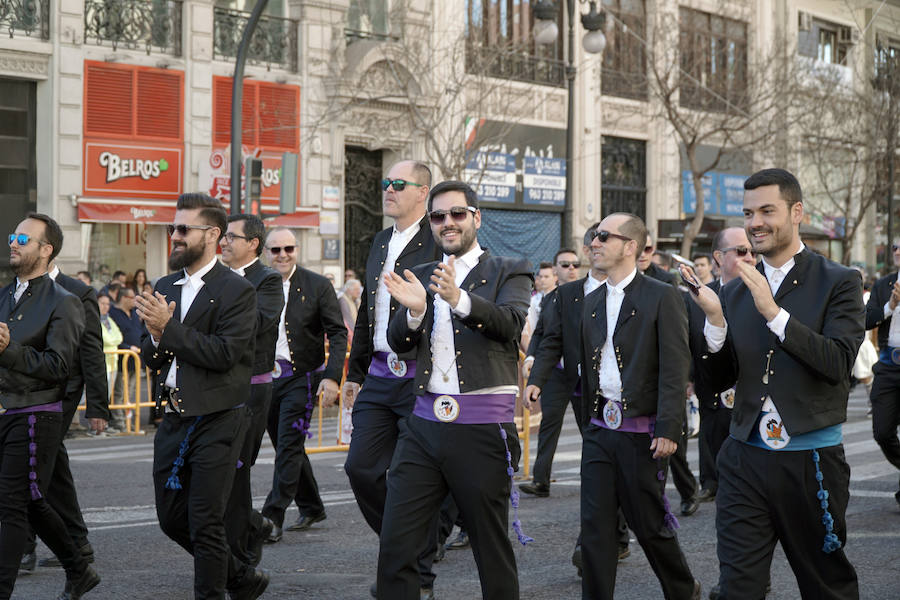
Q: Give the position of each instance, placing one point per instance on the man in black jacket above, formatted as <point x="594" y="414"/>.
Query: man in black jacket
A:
<point x="885" y="396"/>
<point x="41" y="325"/>
<point x="88" y="374"/>
<point x="460" y="437"/>
<point x="634" y="359"/>
<point x="242" y="245"/>
<point x="200" y="322"/>
<point x="794" y="326"/>
<point x="311" y="312"/>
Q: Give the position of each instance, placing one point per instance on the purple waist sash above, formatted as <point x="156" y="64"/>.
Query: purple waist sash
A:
<point x="261" y="378"/>
<point x="284" y="368"/>
<point x="51" y="407"/>
<point x="466" y="409"/>
<point x="386" y="364"/>
<point x="642" y="424"/>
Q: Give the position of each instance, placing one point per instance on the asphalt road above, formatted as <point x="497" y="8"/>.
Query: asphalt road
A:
<point x="337" y="558"/>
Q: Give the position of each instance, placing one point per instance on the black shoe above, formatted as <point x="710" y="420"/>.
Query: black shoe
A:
<point x="706" y="495"/>
<point x="697" y="591"/>
<point x="373" y="589"/>
<point x="76" y="588"/>
<point x="255" y="543"/>
<point x="276" y="535"/>
<point x="576" y="559"/>
<point x="624" y="552"/>
<point x="897" y="497"/>
<point x="426" y="593"/>
<point x="304" y="522"/>
<point x="29" y="559"/>
<point x="715" y="593"/>
<point x="252" y="585"/>
<point x="87" y="552"/>
<point x="689" y="506"/>
<point x="541" y="490"/>
<point x="461" y="541"/>
<point x="440" y="553"/>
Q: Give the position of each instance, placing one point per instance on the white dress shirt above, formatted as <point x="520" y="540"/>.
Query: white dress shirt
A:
<point x="715" y="336"/>
<point x="609" y="377"/>
<point x="190" y="285"/>
<point x="54" y="273"/>
<point x="282" y="350"/>
<point x="399" y="240"/>
<point x="21" y="286"/>
<point x="591" y="284"/>
<point x="241" y="270"/>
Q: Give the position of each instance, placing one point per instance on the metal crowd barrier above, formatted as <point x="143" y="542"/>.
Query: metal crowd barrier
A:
<point x="132" y="423"/>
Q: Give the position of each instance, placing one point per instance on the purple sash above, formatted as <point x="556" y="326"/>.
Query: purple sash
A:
<point x="466" y="409"/>
<point x="262" y="378"/>
<point x="287" y="370"/>
<point x="52" y="407"/>
<point x="381" y="367"/>
<point x="643" y="424"/>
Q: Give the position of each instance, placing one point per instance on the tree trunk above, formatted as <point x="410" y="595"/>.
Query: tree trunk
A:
<point x="693" y="229"/>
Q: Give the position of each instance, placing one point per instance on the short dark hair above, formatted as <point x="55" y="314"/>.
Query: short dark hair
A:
<point x="452" y="185"/>
<point x="633" y="228"/>
<point x="53" y="235"/>
<point x="589" y="234"/>
<point x="563" y="251"/>
<point x="86" y="274"/>
<point x="702" y="255"/>
<point x="254" y="229"/>
<point x="117" y="273"/>
<point x="211" y="210"/>
<point x="545" y="265"/>
<point x="788" y="186"/>
<point x="104" y="295"/>
<point x="421" y="172"/>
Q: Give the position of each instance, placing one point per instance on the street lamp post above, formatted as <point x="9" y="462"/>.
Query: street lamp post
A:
<point x="547" y="32"/>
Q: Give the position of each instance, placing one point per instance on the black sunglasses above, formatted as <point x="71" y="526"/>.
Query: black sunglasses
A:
<point x="566" y="264"/>
<point x="739" y="250"/>
<point x="276" y="250"/>
<point x="399" y="184"/>
<point x="604" y="236"/>
<point x="895" y="247"/>
<point x="183" y="229"/>
<point x="457" y="212"/>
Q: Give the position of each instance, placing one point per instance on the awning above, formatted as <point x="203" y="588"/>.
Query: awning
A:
<point x="162" y="212"/>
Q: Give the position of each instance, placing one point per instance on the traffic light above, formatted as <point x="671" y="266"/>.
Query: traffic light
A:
<point x="252" y="185"/>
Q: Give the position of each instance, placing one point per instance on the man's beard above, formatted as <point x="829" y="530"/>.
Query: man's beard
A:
<point x="26" y="264"/>
<point x="185" y="258"/>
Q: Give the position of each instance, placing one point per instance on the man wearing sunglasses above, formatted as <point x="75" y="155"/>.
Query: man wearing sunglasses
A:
<point x="379" y="383"/>
<point x="462" y="319"/>
<point x="634" y="357"/>
<point x="200" y="323"/>
<point x="301" y="375"/>
<point x="794" y="326"/>
<point x="41" y="325"/>
<point x="242" y="246"/>
<point x="885" y="396"/>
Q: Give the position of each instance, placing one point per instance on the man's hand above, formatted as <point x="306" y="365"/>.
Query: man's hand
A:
<point x="895" y="296"/>
<point x="759" y="288"/>
<point x="409" y="291"/>
<point x="526" y="366"/>
<point x="4" y="336"/>
<point x="706" y="299"/>
<point x="97" y="425"/>
<point x="349" y="393"/>
<point x="531" y="396"/>
<point x="443" y="282"/>
<point x="154" y="312"/>
<point x="663" y="447"/>
<point x="330" y="388"/>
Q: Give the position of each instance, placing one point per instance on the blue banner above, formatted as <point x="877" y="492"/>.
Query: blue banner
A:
<point x="723" y="194"/>
<point x="493" y="175"/>
<point x="544" y="181"/>
<point x="689" y="197"/>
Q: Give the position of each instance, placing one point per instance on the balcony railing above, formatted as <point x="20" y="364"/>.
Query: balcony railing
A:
<point x="517" y="66"/>
<point x="25" y="16"/>
<point x="134" y="24"/>
<point x="273" y="43"/>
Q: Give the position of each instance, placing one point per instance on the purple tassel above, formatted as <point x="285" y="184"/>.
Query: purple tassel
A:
<point x="302" y="424"/>
<point x="240" y="463"/>
<point x="514" y="494"/>
<point x="32" y="460"/>
<point x="173" y="482"/>
<point x="670" y="521"/>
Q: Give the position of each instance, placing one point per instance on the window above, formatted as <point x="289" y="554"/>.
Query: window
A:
<point x="368" y="19"/>
<point x="499" y="43"/>
<point x="625" y="58"/>
<point x="713" y="61"/>
<point x="822" y="40"/>
<point x="270" y="115"/>
<point x="887" y="65"/>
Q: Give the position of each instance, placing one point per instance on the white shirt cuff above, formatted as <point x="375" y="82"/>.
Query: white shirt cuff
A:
<point x="414" y="322"/>
<point x="715" y="336"/>
<point x="887" y="309"/>
<point x="778" y="324"/>
<point x="464" y="306"/>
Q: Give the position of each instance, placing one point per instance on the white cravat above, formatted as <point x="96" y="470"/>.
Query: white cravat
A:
<point x="241" y="270"/>
<point x="190" y="285"/>
<point x="609" y="377"/>
<point x="21" y="286"/>
<point x="399" y="240"/>
<point x="282" y="350"/>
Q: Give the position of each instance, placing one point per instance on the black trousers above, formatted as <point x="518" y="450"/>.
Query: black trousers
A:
<point x="682" y="476"/>
<point x="381" y="403"/>
<point x="618" y="471"/>
<point x="293" y="479"/>
<point x="240" y="519"/>
<point x="767" y="496"/>
<point x="555" y="398"/>
<point x="714" y="425"/>
<point x="194" y="515"/>
<point x="469" y="462"/>
<point x="18" y="508"/>
<point x="885" y="398"/>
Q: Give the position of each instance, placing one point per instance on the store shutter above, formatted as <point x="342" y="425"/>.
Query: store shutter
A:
<point x="222" y="112"/>
<point x="159" y="112"/>
<point x="109" y="99"/>
<point x="279" y="107"/>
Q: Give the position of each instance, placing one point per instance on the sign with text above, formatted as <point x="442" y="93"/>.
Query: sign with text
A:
<point x="723" y="193"/>
<point x="544" y="181"/>
<point x="493" y="174"/>
<point x="115" y="170"/>
<point x="215" y="175"/>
